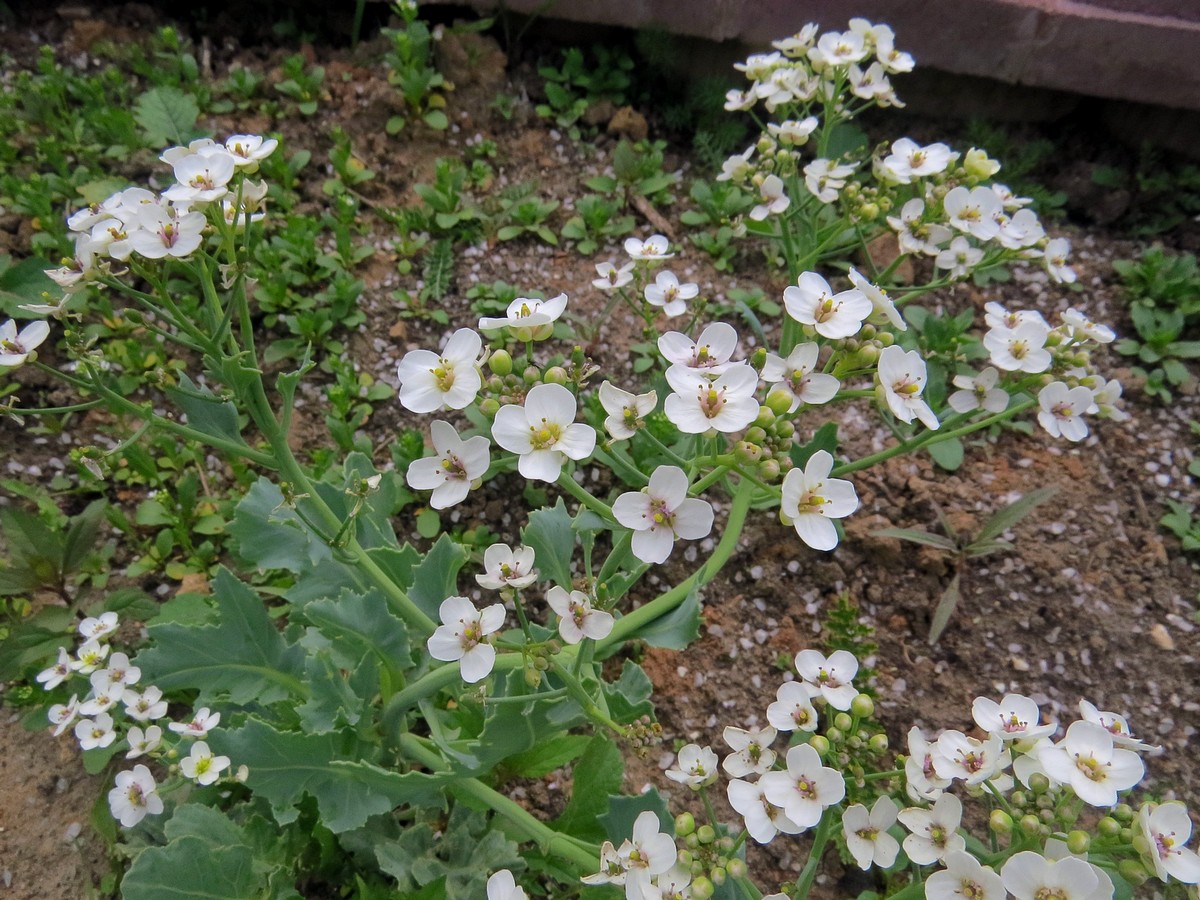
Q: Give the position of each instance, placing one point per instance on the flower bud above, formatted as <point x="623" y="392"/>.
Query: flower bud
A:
<point x="843" y="722"/>
<point x="1123" y="813"/>
<point x="1108" y="827"/>
<point x="684" y="858"/>
<point x="692" y="841"/>
<point x="1039" y="783"/>
<point x="755" y="435"/>
<point x="878" y="743"/>
<point x="863" y="706"/>
<point x="685" y="824"/>
<point x="1140" y="844"/>
<point x="1029" y="823"/>
<point x="702" y="888"/>
<point x="758" y="359"/>
<point x="766" y="417"/>
<point x="978" y="165"/>
<point x="1000" y="822"/>
<point x="533" y="677"/>
<point x="779" y="402"/>
<point x="784" y="430"/>
<point x="556" y="375"/>
<point x="1078" y="842"/>
<point x="717" y="875"/>
<point x="1018" y="799"/>
<point x="1048" y="816"/>
<point x="768" y="470"/>
<point x="531" y="375"/>
<point x="500" y="362"/>
<point x="820" y="743"/>
<point x="489" y="407"/>
<point x="834" y="735"/>
<point x="1126" y="834"/>
<point x="736" y="868"/>
<point x="1133" y="871"/>
<point x="494" y="384"/>
<point x="725" y="844"/>
<point x="706" y="834"/>
<point x="745" y="452"/>
<point x="885" y="339"/>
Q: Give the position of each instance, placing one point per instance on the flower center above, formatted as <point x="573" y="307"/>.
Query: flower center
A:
<point x="937" y="835"/>
<point x="1048" y="893"/>
<point x="169" y="235"/>
<point x="1014" y="723"/>
<point x="806" y="789"/>
<point x="1063" y="411"/>
<point x="546" y="436"/>
<point x="472" y="634"/>
<point x="454" y="470"/>
<point x="1164" y="843"/>
<point x="1091" y="767"/>
<point x="135" y="795"/>
<point x="801" y="716"/>
<point x="444" y="375"/>
<point x="972" y="762"/>
<point x="868" y="834"/>
<point x="971" y="890"/>
<point x="826" y="309"/>
<point x="1019" y="349"/>
<point x="712" y="401"/>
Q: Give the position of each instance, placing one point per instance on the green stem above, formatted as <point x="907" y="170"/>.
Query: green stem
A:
<point x="583" y="857"/>
<point x="584" y="496"/>
<point x="805" y="881"/>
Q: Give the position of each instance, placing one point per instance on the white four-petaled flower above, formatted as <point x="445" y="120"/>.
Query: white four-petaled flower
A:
<point x="577" y="618"/>
<point x="626" y="411"/>
<point x="867" y="836"/>
<point x="134" y="796"/>
<point x="806" y="789"/>
<point x="450" y="380"/>
<point x="810" y="500"/>
<point x="543" y="432"/>
<point x="812" y="302"/>
<point x="902" y="377"/>
<point x="830" y="678"/>
<point x="454" y="467"/>
<point x="504" y="567"/>
<point x="662" y="513"/>
<point x="462" y="636"/>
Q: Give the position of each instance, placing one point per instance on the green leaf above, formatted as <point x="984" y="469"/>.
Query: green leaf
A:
<point x="360" y="623"/>
<point x="825" y="439"/>
<point x="945" y="609"/>
<point x="598" y="774"/>
<point x="284" y="766"/>
<point x="242" y="654"/>
<point x="429" y="524"/>
<point x="629" y="696"/>
<point x="623" y="811"/>
<point x="947" y="454"/>
<point x="550" y="534"/>
<point x="1006" y="518"/>
<point x="548" y="755"/>
<point x="166" y="115"/>
<point x="939" y="541"/>
<point x="269" y="535"/>
<point x="33" y="643"/>
<point x="436" y="577"/>
<point x="677" y="629"/>
<point x="23" y="283"/>
<point x="206" y="413"/>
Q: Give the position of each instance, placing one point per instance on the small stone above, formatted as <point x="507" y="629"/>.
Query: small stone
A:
<point x="1019" y="664"/>
<point x="1161" y="637"/>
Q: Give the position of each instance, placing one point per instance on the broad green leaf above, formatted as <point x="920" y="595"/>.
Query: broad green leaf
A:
<point x="333" y="701"/>
<point x="825" y="439"/>
<point x="945" y="609"/>
<point x="629" y="696"/>
<point x="675" y="630"/>
<point x="618" y="821"/>
<point x="166" y="115"/>
<point x="358" y="624"/>
<point x="1006" y="518"/>
<point x="241" y="654"/>
<point x="550" y="535"/>
<point x="939" y="541"/>
<point x="269" y="535"/>
<point x="548" y="755"/>
<point x="205" y="411"/>
<point x="598" y="774"/>
<point x="23" y="283"/>
<point x="947" y="454"/>
<point x="284" y="766"/>
<point x="436" y="577"/>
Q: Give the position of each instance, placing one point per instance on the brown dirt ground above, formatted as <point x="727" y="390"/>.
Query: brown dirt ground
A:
<point x="1096" y="601"/>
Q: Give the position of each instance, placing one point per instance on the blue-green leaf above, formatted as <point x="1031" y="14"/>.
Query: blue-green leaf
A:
<point x="269" y="535"/>
<point x="550" y="534"/>
<point x="436" y="577"/>
<point x="675" y="630"/>
<point x="205" y="411"/>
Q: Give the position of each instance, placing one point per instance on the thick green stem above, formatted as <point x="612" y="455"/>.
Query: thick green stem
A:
<point x="805" y="881"/>
<point x="584" y="496"/>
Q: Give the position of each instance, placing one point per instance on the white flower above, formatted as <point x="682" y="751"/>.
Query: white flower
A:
<point x="909" y="160"/>
<point x="89" y="657"/>
<point x="973" y="761"/>
<point x="167" y="232"/>
<point x="996" y="316"/>
<point x="830" y="678"/>
<point x="1087" y="761"/>
<point x="798" y="376"/>
<point x="144" y="706"/>
<point x="93" y="733"/>
<point x="835" y="49"/>
<point x="197" y="147"/>
<point x="134" y="796"/>
<point x="1014" y="718"/>
<point x="1062" y="410"/>
<point x="880" y="301"/>
<point x="662" y="513"/>
<point x="902" y="377"/>
<point x="456" y="465"/>
<point x="695" y="766"/>
<point x="1083" y="328"/>
<point x="921" y="778"/>
<point x="58" y="673"/>
<point x="867" y="836"/>
<point x="1054" y="256"/>
<point x="1030" y="876"/>
<point x="964" y="876"/>
<point x="529" y="320"/>
<point x="201" y="765"/>
<point x="872" y="84"/>
<point x="577" y="617"/>
<point x="120" y="672"/>
<point x="763" y="819"/>
<point x="934" y="831"/>
<point x="959" y="258"/>
<point x="1022" y="349"/>
<point x="61" y="715"/>
<point x="248" y="150"/>
<point x="810" y="499"/>
<point x="752" y="754"/>
<point x="774" y="200"/>
<point x="979" y="392"/>
<point x="648" y="853"/>
<point x="812" y="302"/>
<point x="143" y="742"/>
<point x="653" y="247"/>
<point x="200" y="725"/>
<point x="1116" y="725"/>
<point x="202" y="177"/>
<point x="674" y="884"/>
<point x="626" y="411"/>
<point x="611" y="277"/>
<point x="92" y="629"/>
<point x="16" y="348"/>
<point x="1167" y="828"/>
<point x="668" y="293"/>
<point x="104" y="696"/>
<point x="824" y="179"/>
<point x="543" y="432"/>
<point x="710" y="353"/>
<point x="792" y="133"/>
<point x="914" y="235"/>
<point x="806" y="788"/>
<point x="738" y="167"/>
<point x="793" y="708"/>
<point x="698" y="405"/>
<point x="462" y="636"/>
<point x="503" y="886"/>
<point x="1020" y="230"/>
<point x="504" y="567"/>
<point x="612" y="867"/>
<point x="973" y="211"/>
<point x="451" y="380"/>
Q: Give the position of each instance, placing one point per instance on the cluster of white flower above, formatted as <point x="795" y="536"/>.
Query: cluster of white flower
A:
<point x="465" y="633"/>
<point x="1095" y="762"/>
<point x="170" y="224"/>
<point x="113" y="684"/>
<point x="645" y="864"/>
<point x="945" y="210"/>
<point x="666" y="292"/>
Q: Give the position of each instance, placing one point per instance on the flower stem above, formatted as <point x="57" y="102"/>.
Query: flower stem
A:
<point x="805" y="881"/>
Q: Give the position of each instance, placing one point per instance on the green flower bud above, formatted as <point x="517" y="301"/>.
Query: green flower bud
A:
<point x="717" y="875"/>
<point x="532" y="375"/>
<point x="1078" y="842"/>
<point x="692" y="841"/>
<point x="885" y="339"/>
<point x="843" y="722"/>
<point x="1029" y="823"/>
<point x="685" y="859"/>
<point x="1018" y="798"/>
<point x="863" y="706"/>
<point x="820" y="743"/>
<point x="1108" y="827"/>
<point x="702" y="888"/>
<point x="766" y="417"/>
<point x="1123" y="812"/>
<point x="768" y="470"/>
<point x="756" y="435"/>
<point x="489" y="407"/>
<point x="1048" y="816"/>
<point x="747" y="453"/>
<point x="556" y="375"/>
<point x="779" y="402"/>
<point x="1000" y="822"/>
<point x="1126" y="834"/>
<point x="494" y="384"/>
<point x="878" y="743"/>
<point x="725" y="844"/>
<point x="834" y="735"/>
<point x="1039" y="783"/>
<point x="500" y="362"/>
<point x="736" y="868"/>
<point x="758" y="359"/>
<point x="685" y="824"/>
<point x="1140" y="844"/>
<point x="1133" y="871"/>
<point x="533" y="676"/>
<point x="706" y="834"/>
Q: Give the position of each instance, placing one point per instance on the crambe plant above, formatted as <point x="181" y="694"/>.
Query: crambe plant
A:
<point x="345" y="700"/>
